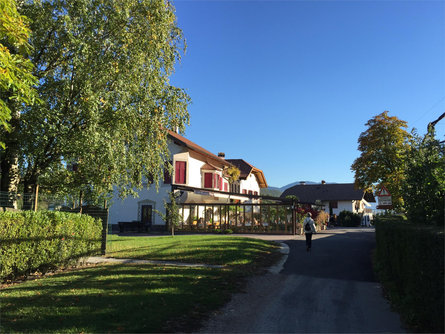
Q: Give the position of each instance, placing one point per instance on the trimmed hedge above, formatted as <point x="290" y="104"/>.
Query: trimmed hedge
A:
<point x="409" y="261"/>
<point x="348" y="219"/>
<point x="44" y="240"/>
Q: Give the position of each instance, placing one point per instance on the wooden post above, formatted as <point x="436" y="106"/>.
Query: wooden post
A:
<point x="36" y="199"/>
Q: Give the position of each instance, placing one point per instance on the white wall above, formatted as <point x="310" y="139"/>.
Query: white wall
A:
<point x="129" y="208"/>
<point x="251" y="183"/>
<point x="344" y="205"/>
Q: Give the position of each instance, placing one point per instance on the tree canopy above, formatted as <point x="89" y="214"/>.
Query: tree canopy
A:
<point x="16" y="79"/>
<point x="382" y="160"/>
<point x="103" y="70"/>
<point x="424" y="187"/>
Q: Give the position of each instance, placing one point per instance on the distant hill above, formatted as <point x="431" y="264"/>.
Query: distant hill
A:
<point x="276" y="191"/>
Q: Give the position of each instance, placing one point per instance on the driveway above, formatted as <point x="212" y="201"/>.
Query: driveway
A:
<point x="332" y="289"/>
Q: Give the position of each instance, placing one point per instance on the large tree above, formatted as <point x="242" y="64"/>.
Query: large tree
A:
<point x="103" y="68"/>
<point x="383" y="148"/>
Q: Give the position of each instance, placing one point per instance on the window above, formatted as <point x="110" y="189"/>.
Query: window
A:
<point x="208" y="180"/>
<point x="333" y="204"/>
<point x="235" y="188"/>
<point x="167" y="176"/>
<point x="180" y="172"/>
<point x="250" y="192"/>
<point x="255" y="193"/>
<point x="244" y="191"/>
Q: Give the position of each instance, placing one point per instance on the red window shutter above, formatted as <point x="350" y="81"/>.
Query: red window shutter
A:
<point x="220" y="183"/>
<point x="244" y="191"/>
<point x="226" y="187"/>
<point x="215" y="180"/>
<point x="207" y="180"/>
<point x="180" y="172"/>
<point x="250" y="192"/>
<point x="255" y="193"/>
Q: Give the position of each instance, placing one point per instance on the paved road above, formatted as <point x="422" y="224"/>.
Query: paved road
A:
<point x="330" y="290"/>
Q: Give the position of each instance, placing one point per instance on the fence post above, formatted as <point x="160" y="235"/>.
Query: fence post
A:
<point x="36" y="199"/>
<point x="103" y="248"/>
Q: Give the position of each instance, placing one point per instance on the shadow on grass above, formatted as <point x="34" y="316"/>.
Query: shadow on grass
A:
<point x="116" y="298"/>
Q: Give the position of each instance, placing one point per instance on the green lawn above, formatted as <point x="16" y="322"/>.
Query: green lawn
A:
<point x="136" y="298"/>
<point x="209" y="249"/>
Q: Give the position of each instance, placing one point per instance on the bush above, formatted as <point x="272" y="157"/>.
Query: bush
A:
<point x="228" y="231"/>
<point x="45" y="240"/>
<point x="348" y="219"/>
<point x="409" y="261"/>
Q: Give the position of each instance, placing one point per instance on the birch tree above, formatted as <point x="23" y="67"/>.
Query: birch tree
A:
<point x="103" y="70"/>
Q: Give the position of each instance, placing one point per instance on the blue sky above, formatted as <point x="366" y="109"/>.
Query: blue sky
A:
<point x="289" y="85"/>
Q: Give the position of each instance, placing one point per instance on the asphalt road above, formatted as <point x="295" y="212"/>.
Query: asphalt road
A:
<point x="332" y="289"/>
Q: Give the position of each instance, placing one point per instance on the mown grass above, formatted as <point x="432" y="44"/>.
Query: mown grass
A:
<point x="209" y="249"/>
<point x="135" y="298"/>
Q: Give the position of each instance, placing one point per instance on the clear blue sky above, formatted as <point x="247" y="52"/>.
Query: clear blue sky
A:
<point x="289" y="85"/>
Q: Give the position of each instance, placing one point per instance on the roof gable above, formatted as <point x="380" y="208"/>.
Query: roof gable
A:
<point x="246" y="169"/>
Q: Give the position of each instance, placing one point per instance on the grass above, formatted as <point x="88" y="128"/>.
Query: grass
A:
<point x="209" y="249"/>
<point x="136" y="298"/>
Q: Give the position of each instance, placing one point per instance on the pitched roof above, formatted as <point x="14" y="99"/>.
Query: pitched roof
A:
<point x="327" y="192"/>
<point x="194" y="147"/>
<point x="245" y="170"/>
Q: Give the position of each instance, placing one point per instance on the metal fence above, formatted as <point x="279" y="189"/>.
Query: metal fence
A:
<point x="239" y="218"/>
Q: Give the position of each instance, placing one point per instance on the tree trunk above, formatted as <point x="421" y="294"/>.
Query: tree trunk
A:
<point x="29" y="187"/>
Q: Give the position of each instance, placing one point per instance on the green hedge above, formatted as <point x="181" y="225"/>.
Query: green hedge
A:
<point x="348" y="219"/>
<point x="410" y="263"/>
<point x="44" y="240"/>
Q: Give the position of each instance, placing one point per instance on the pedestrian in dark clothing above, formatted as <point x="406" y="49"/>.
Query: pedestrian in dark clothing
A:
<point x="309" y="229"/>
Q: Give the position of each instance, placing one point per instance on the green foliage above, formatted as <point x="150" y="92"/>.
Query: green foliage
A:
<point x="348" y="219"/>
<point x="382" y="160"/>
<point x="43" y="240"/>
<point x="103" y="68"/>
<point x="410" y="263"/>
<point x="233" y="174"/>
<point x="424" y="188"/>
<point x="16" y="79"/>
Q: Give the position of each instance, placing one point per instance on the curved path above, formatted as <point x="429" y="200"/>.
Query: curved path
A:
<point x="331" y="289"/>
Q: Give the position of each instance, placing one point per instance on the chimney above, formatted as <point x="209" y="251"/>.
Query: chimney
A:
<point x="323" y="182"/>
<point x="222" y="155"/>
<point x="302" y="183"/>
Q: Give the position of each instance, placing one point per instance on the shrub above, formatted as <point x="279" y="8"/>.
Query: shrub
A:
<point x="321" y="218"/>
<point x="410" y="263"/>
<point x="228" y="231"/>
<point x="348" y="219"/>
<point x="44" y="240"/>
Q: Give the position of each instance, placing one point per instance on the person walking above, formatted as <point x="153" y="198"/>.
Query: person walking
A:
<point x="309" y="229"/>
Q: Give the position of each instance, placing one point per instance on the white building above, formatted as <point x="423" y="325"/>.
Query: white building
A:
<point x="200" y="177"/>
